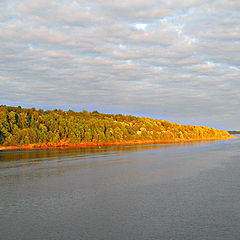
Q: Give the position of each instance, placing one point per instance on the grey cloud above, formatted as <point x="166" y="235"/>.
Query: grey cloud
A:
<point x="136" y="10"/>
<point x="187" y="3"/>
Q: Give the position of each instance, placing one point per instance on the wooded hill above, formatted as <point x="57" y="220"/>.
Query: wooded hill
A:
<point x="234" y="132"/>
<point x="19" y="126"/>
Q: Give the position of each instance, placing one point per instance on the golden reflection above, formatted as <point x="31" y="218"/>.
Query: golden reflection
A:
<point x="46" y="162"/>
<point x="50" y="154"/>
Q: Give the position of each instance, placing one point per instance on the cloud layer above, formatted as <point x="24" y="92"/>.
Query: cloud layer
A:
<point x="176" y="60"/>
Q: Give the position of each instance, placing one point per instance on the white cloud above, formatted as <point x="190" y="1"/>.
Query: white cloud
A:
<point x="168" y="59"/>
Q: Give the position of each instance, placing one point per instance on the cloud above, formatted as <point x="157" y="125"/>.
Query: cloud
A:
<point x="175" y="60"/>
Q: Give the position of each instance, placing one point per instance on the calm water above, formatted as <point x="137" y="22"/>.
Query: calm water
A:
<point x="178" y="191"/>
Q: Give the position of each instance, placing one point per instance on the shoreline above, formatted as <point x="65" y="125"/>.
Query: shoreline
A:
<point x="85" y="145"/>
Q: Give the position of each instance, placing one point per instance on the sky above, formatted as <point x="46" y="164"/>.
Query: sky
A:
<point x="176" y="60"/>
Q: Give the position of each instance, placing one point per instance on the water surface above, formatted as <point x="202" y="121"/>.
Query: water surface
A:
<point x="159" y="191"/>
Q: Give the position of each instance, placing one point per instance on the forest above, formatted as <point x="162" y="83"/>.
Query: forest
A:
<point x="24" y="126"/>
<point x="234" y="132"/>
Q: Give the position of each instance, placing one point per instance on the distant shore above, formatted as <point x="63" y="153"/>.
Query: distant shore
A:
<point x="85" y="145"/>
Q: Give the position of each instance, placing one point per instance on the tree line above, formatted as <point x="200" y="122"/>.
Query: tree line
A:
<point x="20" y="126"/>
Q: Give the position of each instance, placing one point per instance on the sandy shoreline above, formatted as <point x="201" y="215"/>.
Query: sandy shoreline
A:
<point x="85" y="145"/>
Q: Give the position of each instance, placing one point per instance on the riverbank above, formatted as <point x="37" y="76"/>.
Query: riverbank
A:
<point x="85" y="145"/>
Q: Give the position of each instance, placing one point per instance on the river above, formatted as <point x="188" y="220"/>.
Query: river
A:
<point x="159" y="191"/>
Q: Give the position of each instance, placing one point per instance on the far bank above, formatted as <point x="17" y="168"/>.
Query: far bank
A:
<point x="31" y="128"/>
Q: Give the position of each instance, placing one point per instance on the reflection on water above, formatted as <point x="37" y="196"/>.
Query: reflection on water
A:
<point x="35" y="154"/>
<point x="45" y="162"/>
<point x="157" y="191"/>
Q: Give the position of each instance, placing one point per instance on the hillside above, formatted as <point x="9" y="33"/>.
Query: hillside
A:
<point x="234" y="132"/>
<point x="19" y="126"/>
